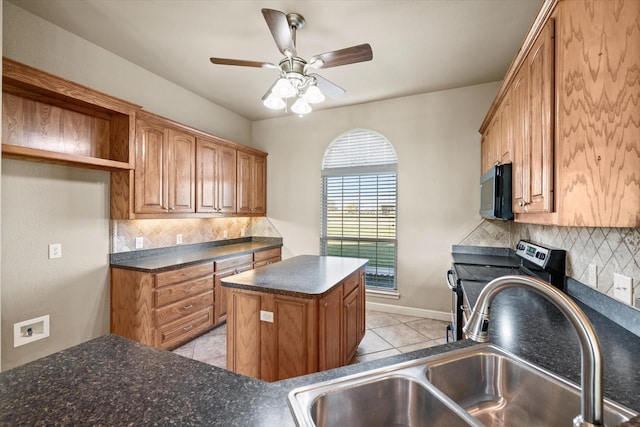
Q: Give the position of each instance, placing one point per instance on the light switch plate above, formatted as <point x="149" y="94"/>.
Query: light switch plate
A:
<point x="623" y="288"/>
<point x="139" y="242"/>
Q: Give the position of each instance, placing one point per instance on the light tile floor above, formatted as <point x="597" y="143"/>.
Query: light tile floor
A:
<point x="386" y="335"/>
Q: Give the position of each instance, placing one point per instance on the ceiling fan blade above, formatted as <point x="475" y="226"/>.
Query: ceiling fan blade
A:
<point x="327" y="87"/>
<point x="243" y="63"/>
<point x="349" y="55"/>
<point x="280" y="30"/>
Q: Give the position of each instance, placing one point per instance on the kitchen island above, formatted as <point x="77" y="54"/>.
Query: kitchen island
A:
<point x="295" y="317"/>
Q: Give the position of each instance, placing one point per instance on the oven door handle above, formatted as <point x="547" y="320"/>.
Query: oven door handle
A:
<point x="449" y="280"/>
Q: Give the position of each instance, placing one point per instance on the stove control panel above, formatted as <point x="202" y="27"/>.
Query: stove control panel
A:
<point x="533" y="253"/>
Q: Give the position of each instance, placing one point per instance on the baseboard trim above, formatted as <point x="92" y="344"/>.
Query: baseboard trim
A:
<point x="409" y="311"/>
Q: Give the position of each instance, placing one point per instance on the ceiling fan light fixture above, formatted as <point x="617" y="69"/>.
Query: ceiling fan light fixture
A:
<point x="274" y="102"/>
<point x="301" y="107"/>
<point x="313" y="95"/>
<point x="283" y="88"/>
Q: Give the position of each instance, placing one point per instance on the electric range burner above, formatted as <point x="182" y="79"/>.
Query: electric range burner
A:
<point x="545" y="263"/>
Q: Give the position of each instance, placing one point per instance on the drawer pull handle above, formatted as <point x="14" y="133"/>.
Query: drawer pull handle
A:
<point x="187" y="307"/>
<point x="187" y="328"/>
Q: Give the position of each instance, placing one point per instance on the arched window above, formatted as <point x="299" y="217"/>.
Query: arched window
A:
<point x="359" y="203"/>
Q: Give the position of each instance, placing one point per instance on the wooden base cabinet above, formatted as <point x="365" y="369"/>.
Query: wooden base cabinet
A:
<point x="162" y="310"/>
<point x="274" y="337"/>
<point x="170" y="308"/>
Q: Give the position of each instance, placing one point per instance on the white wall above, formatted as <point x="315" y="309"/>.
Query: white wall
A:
<point x="438" y="146"/>
<point x="44" y="204"/>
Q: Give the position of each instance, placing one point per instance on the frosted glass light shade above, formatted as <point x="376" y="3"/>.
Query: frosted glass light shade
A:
<point x="301" y="107"/>
<point x="283" y="88"/>
<point x="313" y="95"/>
<point x="274" y="102"/>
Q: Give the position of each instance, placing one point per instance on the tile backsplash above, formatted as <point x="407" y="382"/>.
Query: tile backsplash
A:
<point x="613" y="250"/>
<point x="160" y="233"/>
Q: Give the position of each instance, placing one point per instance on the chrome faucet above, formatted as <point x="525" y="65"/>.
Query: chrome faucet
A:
<point x="477" y="326"/>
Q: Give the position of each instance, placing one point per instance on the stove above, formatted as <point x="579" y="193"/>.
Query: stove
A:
<point x="481" y="265"/>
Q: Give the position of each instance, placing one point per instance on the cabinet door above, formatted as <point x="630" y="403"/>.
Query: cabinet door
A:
<point x="207" y="176"/>
<point x="227" y="180"/>
<point x="181" y="172"/>
<point x="245" y="161"/>
<point x="540" y="63"/>
<point x="521" y="158"/>
<point x="215" y="178"/>
<point x="351" y="325"/>
<point x="259" y="185"/>
<point x="252" y="179"/>
<point x="150" y="173"/>
<point x="505" y="150"/>
<point x="330" y="330"/>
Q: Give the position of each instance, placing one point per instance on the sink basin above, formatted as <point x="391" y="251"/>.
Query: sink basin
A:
<point x="500" y="389"/>
<point x="476" y="386"/>
<point x="385" y="401"/>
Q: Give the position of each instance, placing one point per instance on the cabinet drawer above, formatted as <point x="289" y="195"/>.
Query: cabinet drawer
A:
<point x="181" y="330"/>
<point x="266" y="255"/>
<point x="234" y="262"/>
<point x="184" y="308"/>
<point x="169" y="294"/>
<point x="184" y="274"/>
<point x="351" y="282"/>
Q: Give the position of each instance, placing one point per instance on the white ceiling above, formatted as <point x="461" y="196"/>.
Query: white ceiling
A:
<point x="418" y="45"/>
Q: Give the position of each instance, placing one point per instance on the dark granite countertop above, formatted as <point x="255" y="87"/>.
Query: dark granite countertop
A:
<point x="114" y="381"/>
<point x="307" y="276"/>
<point x="164" y="259"/>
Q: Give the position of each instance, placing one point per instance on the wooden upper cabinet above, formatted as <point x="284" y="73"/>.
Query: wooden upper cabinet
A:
<point x="532" y="92"/>
<point x="216" y="177"/>
<point x="598" y="117"/>
<point x="540" y="74"/>
<point x="521" y="159"/>
<point x="252" y="180"/>
<point x="165" y="169"/>
<point x="576" y="122"/>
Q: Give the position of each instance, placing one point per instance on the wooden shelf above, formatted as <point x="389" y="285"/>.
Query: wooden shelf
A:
<point x="49" y="119"/>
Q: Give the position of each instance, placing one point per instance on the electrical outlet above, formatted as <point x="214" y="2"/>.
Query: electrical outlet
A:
<point x="243" y="232"/>
<point x="178" y="239"/>
<point x="623" y="288"/>
<point x="593" y="275"/>
<point x="224" y="234"/>
<point x="55" y="250"/>
<point x="139" y="242"/>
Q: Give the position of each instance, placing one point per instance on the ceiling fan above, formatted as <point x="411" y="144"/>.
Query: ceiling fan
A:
<point x="295" y="80"/>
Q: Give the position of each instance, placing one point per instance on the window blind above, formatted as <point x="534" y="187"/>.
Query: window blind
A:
<point x="359" y="203"/>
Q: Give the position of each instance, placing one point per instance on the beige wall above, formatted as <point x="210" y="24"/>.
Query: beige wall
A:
<point x="438" y="146"/>
<point x="44" y="204"/>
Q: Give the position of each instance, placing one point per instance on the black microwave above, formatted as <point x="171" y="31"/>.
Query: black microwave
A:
<point x="496" y="193"/>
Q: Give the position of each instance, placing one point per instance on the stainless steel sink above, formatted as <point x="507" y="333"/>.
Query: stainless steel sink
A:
<point x="392" y="400"/>
<point x="480" y="385"/>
